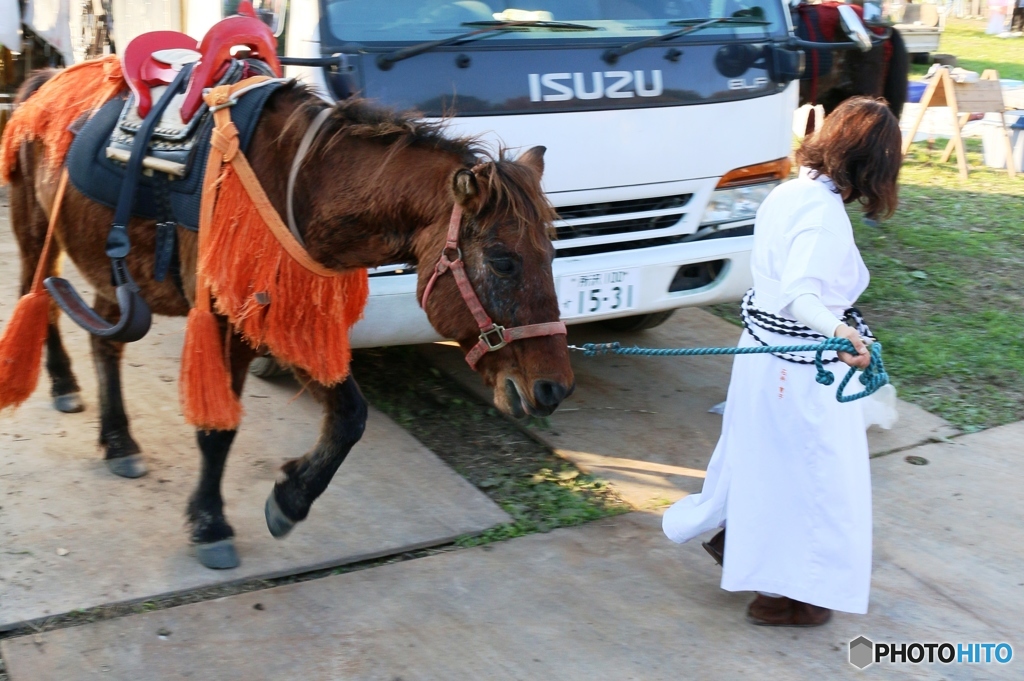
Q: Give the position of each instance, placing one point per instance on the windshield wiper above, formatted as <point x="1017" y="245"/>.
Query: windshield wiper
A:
<point x="753" y="18"/>
<point x="386" y="61"/>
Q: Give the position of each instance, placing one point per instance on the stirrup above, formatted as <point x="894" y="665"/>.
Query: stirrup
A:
<point x="135" y="314"/>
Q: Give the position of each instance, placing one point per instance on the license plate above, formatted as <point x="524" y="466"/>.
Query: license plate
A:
<point x="595" y="293"/>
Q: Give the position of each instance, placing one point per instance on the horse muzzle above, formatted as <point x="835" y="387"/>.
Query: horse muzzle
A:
<point x="545" y="397"/>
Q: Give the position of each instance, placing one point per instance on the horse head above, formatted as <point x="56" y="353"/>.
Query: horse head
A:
<point x="501" y="221"/>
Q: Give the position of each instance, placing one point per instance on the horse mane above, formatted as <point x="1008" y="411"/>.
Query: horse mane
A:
<point x="509" y="187"/>
<point x="513" y="188"/>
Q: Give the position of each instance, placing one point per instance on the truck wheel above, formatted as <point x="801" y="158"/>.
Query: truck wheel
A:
<point x="640" y="322"/>
<point x="266" y="367"/>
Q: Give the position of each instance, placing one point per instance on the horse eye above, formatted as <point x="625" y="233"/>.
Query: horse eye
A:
<point x="503" y="266"/>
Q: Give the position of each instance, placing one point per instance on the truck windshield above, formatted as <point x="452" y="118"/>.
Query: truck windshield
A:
<point x="615" y="21"/>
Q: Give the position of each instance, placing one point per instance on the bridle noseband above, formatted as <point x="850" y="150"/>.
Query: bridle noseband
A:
<point x="492" y="336"/>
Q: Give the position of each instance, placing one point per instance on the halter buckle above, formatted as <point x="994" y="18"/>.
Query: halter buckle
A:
<point x="485" y="336"/>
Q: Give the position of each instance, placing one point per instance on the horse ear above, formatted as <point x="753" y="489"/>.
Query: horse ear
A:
<point x="465" y="186"/>
<point x="534" y="158"/>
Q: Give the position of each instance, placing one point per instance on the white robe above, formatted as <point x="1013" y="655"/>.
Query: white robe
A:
<point x="790" y="475"/>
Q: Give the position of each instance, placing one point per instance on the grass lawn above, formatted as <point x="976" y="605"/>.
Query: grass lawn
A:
<point x="947" y="289"/>
<point x="966" y="40"/>
<point x="947" y="270"/>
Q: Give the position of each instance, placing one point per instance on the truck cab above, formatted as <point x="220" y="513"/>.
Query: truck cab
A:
<point x="666" y="123"/>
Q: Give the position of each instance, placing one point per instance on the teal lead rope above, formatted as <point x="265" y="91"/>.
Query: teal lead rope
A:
<point x="872" y="378"/>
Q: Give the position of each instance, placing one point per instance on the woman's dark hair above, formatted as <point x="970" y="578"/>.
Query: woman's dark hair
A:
<point x="858" y="148"/>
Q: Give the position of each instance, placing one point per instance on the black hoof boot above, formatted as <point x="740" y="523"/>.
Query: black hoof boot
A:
<point x="277" y="522"/>
<point x="131" y="466"/>
<point x="124" y="458"/>
<point x="218" y="555"/>
<point x="70" y="403"/>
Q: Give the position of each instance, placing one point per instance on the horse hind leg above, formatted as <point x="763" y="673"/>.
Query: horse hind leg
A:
<point x="64" y="388"/>
<point x="211" y="535"/>
<point x="306" y="478"/>
<point x="30" y="223"/>
<point x="122" y="453"/>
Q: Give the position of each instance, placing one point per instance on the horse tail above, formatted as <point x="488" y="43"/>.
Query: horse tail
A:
<point x="50" y="101"/>
<point x="897" y="74"/>
<point x="33" y="82"/>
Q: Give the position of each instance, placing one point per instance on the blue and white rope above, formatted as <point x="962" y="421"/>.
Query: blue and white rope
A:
<point x="872" y="378"/>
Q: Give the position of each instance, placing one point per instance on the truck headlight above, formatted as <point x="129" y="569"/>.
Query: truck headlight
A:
<point x="740" y="192"/>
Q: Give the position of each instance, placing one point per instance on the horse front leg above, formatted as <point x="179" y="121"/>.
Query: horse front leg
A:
<point x="306" y="478"/>
<point x="122" y="453"/>
<point x="211" y="534"/>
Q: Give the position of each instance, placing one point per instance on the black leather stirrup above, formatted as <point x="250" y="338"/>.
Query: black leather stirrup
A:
<point x="135" y="313"/>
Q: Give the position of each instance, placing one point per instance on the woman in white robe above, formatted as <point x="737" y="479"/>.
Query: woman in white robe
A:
<point x="790" y="476"/>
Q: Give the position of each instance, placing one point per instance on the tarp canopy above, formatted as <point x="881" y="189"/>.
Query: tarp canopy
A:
<point x="51" y="21"/>
<point x="10" y="25"/>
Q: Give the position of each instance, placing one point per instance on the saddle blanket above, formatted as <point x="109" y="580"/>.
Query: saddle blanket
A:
<point x="160" y="196"/>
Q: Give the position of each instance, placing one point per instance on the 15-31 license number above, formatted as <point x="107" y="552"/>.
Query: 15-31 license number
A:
<point x="596" y="293"/>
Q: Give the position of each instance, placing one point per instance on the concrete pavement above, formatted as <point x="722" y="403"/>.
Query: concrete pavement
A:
<point x="610" y="600"/>
<point x="74" y="536"/>
<point x="642" y="423"/>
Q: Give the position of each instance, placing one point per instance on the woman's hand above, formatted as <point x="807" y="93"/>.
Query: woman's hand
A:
<point x="863" y="358"/>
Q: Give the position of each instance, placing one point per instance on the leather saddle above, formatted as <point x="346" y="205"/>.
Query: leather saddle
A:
<point x="172" y="170"/>
<point x="146" y="158"/>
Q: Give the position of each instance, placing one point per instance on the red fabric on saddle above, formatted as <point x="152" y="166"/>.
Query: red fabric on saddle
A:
<point x="142" y="72"/>
<point x="242" y="30"/>
<point x="225" y="35"/>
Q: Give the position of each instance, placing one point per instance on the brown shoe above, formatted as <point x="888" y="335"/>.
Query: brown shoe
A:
<point x="786" y="612"/>
<point x="716" y="547"/>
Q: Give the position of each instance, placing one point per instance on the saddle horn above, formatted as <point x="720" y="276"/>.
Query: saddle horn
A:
<point x="136" y="316"/>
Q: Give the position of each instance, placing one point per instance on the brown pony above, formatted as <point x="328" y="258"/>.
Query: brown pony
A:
<point x="377" y="188"/>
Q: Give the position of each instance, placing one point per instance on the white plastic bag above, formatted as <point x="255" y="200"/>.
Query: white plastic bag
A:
<point x="880" y="408"/>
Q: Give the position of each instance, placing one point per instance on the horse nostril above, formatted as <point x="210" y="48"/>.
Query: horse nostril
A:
<point x="549" y="393"/>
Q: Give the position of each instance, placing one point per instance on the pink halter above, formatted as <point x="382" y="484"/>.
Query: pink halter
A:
<point x="492" y="336"/>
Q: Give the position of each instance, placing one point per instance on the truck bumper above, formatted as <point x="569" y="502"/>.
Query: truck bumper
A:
<point x="393" y="316"/>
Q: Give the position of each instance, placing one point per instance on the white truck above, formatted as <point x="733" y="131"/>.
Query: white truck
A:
<point x="667" y="122"/>
<point x="921" y="25"/>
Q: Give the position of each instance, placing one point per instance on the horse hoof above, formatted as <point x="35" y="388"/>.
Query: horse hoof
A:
<point x="131" y="466"/>
<point x="277" y="522"/>
<point x="69" y="404"/>
<point x="218" y="555"/>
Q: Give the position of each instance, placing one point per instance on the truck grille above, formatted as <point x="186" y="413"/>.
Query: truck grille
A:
<point x="590" y="220"/>
<point x="600" y="220"/>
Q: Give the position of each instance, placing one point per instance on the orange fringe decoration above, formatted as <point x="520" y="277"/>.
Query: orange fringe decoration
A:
<point x="21" y="348"/>
<point x="204" y="387"/>
<point x="21" y="345"/>
<point x="307" y="320"/>
<point x="50" y="111"/>
<point x="46" y="117"/>
<point x="263" y="282"/>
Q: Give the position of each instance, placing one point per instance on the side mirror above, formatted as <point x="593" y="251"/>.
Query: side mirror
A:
<point x="784" y="64"/>
<point x="854" y="28"/>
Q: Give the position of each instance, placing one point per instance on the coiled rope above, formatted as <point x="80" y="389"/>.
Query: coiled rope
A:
<point x="872" y="378"/>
